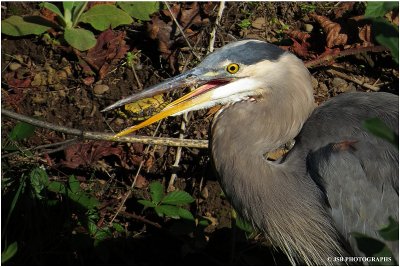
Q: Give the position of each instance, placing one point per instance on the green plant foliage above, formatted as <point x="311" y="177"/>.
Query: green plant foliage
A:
<point x="167" y="210"/>
<point x="178" y="198"/>
<point x="242" y="223"/>
<point x="245" y="24"/>
<point x="53" y="8"/>
<point x="21" y="26"/>
<point x="140" y="10"/>
<point x="391" y="231"/>
<point x="74" y="192"/>
<point x="372" y="247"/>
<point x="378" y="128"/>
<point x="385" y="33"/>
<point x="147" y="203"/>
<point x="39" y="180"/>
<point x="80" y="39"/>
<point x="185" y="214"/>
<point x="102" y="17"/>
<point x="22" y="131"/>
<point x="156" y="192"/>
<point x="168" y="205"/>
<point x="379" y="9"/>
<point x="9" y="252"/>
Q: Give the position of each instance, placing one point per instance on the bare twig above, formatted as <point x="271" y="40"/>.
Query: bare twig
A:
<point x="326" y="60"/>
<point x="178" y="154"/>
<point x="127" y="195"/>
<point x="107" y="136"/>
<point x="140" y="218"/>
<point x="214" y="30"/>
<point x="353" y="79"/>
<point x="181" y="31"/>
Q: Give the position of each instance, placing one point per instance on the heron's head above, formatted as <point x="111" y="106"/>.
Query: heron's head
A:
<point x="239" y="71"/>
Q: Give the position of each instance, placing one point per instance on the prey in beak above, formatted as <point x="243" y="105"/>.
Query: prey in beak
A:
<point x="215" y="86"/>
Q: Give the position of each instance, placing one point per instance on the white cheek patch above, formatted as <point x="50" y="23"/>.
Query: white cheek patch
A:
<point x="235" y="91"/>
<point x="236" y="88"/>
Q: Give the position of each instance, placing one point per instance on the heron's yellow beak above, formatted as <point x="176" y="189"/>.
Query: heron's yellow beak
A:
<point x="197" y="97"/>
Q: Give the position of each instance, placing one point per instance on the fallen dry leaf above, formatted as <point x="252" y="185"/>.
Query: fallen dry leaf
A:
<point x="108" y="51"/>
<point x="342" y="9"/>
<point x="332" y="31"/>
<point x="87" y="154"/>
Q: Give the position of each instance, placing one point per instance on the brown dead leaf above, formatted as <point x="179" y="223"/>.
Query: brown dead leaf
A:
<point x="342" y="9"/>
<point x="141" y="182"/>
<point x="14" y="81"/>
<point x="301" y="44"/>
<point x="87" y="154"/>
<point x="365" y="34"/>
<point x="332" y="31"/>
<point x="109" y="49"/>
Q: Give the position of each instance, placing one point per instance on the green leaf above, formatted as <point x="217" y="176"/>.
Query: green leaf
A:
<point x="118" y="228"/>
<point x="53" y="8"/>
<point x="21" y="131"/>
<point x="56" y="187"/>
<point x="379" y="9"/>
<point x="391" y="231"/>
<point x="177" y="198"/>
<point x="79" y="38"/>
<point x="140" y="10"/>
<point x="74" y="184"/>
<point x="203" y="222"/>
<point x="244" y="225"/>
<point x="372" y="247"/>
<point x="68" y="5"/>
<point x="102" y="234"/>
<point x="92" y="227"/>
<point x="168" y="210"/>
<point x="378" y="128"/>
<point x="81" y="198"/>
<point x="39" y="180"/>
<point x="387" y="35"/>
<point x="101" y="17"/>
<point x="9" y="252"/>
<point x="185" y="214"/>
<point x="156" y="192"/>
<point x="146" y="203"/>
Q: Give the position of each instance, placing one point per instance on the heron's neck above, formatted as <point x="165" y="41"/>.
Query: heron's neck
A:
<point x="284" y="197"/>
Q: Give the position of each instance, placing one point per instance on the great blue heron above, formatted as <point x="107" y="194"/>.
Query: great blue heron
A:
<point x="337" y="179"/>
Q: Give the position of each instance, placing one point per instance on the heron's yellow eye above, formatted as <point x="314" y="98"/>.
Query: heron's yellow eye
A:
<point x="232" y="68"/>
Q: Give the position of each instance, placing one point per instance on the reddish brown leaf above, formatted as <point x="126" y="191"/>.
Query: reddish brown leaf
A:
<point x="141" y="182"/>
<point x="109" y="49"/>
<point x="13" y="81"/>
<point x="332" y="31"/>
<point x="365" y="34"/>
<point x="87" y="154"/>
<point x="344" y="7"/>
<point x="299" y="35"/>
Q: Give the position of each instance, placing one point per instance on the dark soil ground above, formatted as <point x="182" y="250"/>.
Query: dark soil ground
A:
<point x="48" y="82"/>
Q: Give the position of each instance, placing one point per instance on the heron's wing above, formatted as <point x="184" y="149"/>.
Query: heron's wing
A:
<point x="362" y="189"/>
<point x="357" y="171"/>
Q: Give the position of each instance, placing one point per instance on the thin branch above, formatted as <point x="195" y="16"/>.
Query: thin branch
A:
<point x="181" y="31"/>
<point x="353" y="79"/>
<point x="214" y="30"/>
<point x="107" y="136"/>
<point x="178" y="154"/>
<point x="327" y="59"/>
<point x="127" y="195"/>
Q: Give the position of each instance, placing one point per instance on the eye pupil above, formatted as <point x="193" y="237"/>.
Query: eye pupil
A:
<point x="233" y="68"/>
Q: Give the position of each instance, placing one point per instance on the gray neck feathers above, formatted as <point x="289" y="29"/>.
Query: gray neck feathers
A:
<point x="278" y="198"/>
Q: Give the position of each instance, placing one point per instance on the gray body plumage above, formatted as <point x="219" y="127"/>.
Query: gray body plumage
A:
<point x="310" y="202"/>
<point x="337" y="179"/>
